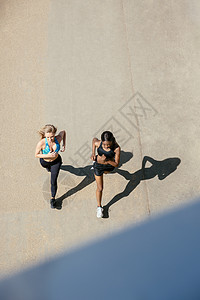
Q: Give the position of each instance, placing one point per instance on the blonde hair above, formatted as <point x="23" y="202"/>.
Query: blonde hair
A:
<point x="47" y="129"/>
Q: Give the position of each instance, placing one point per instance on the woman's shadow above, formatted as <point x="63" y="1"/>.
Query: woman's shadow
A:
<point x="158" y="168"/>
<point x="88" y="174"/>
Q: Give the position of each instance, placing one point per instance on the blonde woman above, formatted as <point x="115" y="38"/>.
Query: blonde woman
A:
<point x="47" y="151"/>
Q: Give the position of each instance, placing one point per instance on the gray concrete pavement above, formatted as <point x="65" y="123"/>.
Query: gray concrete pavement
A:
<point x="164" y="50"/>
<point x="86" y="66"/>
<point x="158" y="259"/>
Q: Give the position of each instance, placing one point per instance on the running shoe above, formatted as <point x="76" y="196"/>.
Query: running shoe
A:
<point x="99" y="212"/>
<point x="52" y="203"/>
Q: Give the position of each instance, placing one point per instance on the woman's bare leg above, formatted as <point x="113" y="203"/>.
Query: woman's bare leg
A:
<point x="99" y="181"/>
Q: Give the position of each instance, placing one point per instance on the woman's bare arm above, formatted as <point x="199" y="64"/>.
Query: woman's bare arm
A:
<point x="115" y="163"/>
<point x="62" y="137"/>
<point x="95" y="144"/>
<point x="38" y="153"/>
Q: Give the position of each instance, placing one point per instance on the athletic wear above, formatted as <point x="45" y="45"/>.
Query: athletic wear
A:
<point x="52" y="203"/>
<point x="99" y="169"/>
<point x="54" y="167"/>
<point x="47" y="149"/>
<point x="99" y="212"/>
<point x="109" y="154"/>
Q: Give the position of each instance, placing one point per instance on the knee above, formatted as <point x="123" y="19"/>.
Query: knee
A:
<point x="99" y="188"/>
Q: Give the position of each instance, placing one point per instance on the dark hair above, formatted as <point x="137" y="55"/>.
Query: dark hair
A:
<point x="108" y="137"/>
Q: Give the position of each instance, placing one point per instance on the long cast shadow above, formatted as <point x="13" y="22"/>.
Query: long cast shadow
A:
<point x="88" y="173"/>
<point x="159" y="168"/>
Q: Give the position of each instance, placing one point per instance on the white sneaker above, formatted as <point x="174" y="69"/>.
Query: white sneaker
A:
<point x="99" y="212"/>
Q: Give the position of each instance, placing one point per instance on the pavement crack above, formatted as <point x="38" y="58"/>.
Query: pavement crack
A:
<point x="133" y="92"/>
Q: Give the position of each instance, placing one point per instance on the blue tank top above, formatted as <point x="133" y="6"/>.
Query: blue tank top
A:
<point x="47" y="149"/>
<point x="108" y="154"/>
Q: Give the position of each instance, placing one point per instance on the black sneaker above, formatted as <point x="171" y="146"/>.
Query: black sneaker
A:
<point x="52" y="203"/>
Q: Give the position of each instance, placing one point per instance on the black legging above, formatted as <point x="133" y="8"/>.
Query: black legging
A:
<point x="54" y="168"/>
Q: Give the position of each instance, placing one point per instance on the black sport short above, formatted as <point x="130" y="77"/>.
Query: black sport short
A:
<point x="99" y="169"/>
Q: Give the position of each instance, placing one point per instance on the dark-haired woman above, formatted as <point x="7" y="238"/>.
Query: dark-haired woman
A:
<point x="106" y="160"/>
<point x="47" y="150"/>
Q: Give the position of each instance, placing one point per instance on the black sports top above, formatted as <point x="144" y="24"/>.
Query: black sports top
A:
<point x="108" y="154"/>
